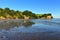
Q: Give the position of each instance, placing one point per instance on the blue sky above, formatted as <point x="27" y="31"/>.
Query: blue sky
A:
<point x="36" y="6"/>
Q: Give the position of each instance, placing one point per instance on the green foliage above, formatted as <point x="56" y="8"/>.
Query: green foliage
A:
<point x="44" y="15"/>
<point x="30" y="14"/>
<point x="7" y="13"/>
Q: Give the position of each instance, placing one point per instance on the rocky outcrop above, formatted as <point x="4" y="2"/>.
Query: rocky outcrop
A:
<point x="49" y="17"/>
<point x="26" y="17"/>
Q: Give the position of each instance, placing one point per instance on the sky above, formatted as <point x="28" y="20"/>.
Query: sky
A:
<point x="36" y="6"/>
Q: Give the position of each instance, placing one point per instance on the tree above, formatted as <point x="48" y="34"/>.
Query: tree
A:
<point x="1" y="9"/>
<point x="27" y="13"/>
<point x="30" y="14"/>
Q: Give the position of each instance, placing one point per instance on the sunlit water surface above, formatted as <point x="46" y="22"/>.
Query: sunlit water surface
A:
<point x="33" y="29"/>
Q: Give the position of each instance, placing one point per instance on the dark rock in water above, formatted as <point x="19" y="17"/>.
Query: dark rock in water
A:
<point x="2" y="36"/>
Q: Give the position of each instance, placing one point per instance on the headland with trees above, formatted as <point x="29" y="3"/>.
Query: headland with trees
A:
<point x="7" y="13"/>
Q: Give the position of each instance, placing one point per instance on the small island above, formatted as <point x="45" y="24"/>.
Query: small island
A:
<point x="7" y="13"/>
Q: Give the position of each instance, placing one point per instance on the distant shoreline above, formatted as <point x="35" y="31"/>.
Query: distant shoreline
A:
<point x="7" y="13"/>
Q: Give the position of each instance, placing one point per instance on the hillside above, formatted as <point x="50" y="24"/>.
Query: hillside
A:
<point x="7" y="13"/>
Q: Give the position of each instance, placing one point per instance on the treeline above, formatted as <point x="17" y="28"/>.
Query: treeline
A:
<point x="45" y="16"/>
<point x="12" y="14"/>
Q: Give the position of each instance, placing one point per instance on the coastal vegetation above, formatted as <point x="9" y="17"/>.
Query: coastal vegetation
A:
<point x="7" y="13"/>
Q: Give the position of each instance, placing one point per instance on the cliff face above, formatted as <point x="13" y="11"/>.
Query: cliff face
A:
<point x="26" y="17"/>
<point x="45" y="16"/>
<point x="49" y="17"/>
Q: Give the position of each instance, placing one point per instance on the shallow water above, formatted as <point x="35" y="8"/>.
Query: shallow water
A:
<point x="33" y="29"/>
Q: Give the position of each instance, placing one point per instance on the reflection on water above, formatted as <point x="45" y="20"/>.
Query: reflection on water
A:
<point x="33" y="29"/>
<point x="7" y="24"/>
<point x="28" y="23"/>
